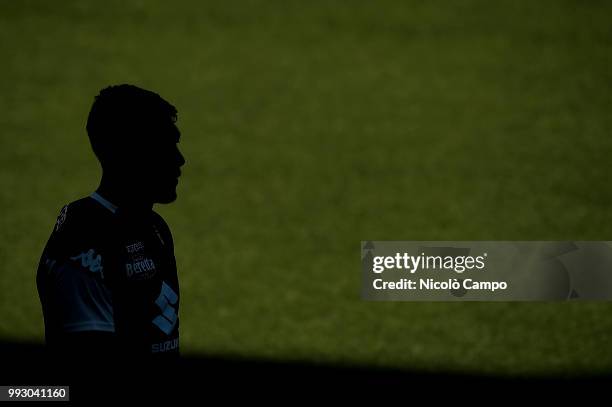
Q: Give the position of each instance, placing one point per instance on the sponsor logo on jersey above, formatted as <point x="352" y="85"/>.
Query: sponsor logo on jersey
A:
<point x="165" y="346"/>
<point x="142" y="268"/>
<point x="168" y="317"/>
<point x="61" y="218"/>
<point x="139" y="266"/>
<point x="90" y="261"/>
<point x="135" y="247"/>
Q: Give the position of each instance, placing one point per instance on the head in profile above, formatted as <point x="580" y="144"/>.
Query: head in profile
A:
<point x="134" y="135"/>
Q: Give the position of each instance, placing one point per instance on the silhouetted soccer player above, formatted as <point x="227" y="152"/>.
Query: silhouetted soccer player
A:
<point x="107" y="278"/>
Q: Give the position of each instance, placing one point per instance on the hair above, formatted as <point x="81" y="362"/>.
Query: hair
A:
<point x="125" y="114"/>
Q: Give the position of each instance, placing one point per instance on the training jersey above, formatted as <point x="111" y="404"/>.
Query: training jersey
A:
<point x="104" y="269"/>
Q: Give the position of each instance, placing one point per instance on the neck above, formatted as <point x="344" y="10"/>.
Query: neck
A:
<point x="124" y="196"/>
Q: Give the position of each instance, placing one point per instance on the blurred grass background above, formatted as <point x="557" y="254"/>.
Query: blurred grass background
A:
<point x="310" y="126"/>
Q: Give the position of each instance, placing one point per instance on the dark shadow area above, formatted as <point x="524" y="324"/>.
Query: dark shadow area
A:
<point x="203" y="377"/>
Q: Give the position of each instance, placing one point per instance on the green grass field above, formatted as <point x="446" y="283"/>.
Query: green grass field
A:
<point x="310" y="126"/>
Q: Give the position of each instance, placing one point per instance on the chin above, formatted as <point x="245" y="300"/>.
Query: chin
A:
<point x="166" y="197"/>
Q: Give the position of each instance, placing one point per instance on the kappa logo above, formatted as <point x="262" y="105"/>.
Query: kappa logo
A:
<point x="90" y="261"/>
<point x="168" y="317"/>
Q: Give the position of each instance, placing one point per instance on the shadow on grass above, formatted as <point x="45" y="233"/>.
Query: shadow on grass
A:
<point x="202" y="377"/>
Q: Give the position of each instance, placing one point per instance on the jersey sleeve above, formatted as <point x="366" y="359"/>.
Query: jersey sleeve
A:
<point x="163" y="232"/>
<point x="72" y="286"/>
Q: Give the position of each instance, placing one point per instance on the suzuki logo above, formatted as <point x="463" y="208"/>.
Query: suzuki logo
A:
<point x="168" y="317"/>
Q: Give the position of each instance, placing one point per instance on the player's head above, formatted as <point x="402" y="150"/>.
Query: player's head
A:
<point x="133" y="133"/>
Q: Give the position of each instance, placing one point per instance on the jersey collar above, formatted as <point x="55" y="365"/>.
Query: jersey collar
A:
<point x="104" y="202"/>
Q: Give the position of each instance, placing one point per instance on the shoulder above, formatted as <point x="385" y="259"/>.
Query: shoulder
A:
<point x="81" y="222"/>
<point x="159" y="220"/>
<point x="162" y="227"/>
<point x="78" y="215"/>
